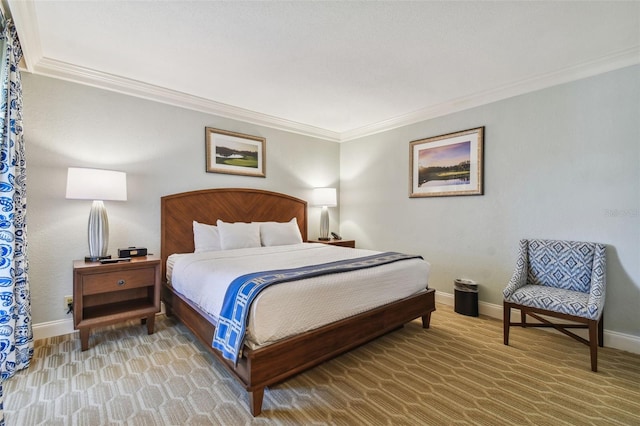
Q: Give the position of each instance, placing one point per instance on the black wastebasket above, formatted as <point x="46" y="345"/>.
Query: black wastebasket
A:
<point x="466" y="297"/>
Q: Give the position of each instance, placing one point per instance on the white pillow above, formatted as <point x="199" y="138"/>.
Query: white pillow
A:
<point x="280" y="234"/>
<point x="205" y="237"/>
<point x="238" y="235"/>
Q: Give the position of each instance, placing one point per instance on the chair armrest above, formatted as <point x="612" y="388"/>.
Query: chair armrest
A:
<point x="595" y="305"/>
<point x="519" y="277"/>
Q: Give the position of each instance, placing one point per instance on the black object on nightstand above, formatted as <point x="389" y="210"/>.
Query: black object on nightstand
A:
<point x="334" y="242"/>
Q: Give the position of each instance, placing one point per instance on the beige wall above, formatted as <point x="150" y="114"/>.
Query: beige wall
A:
<point x="560" y="163"/>
<point x="160" y="147"/>
<point x="563" y="162"/>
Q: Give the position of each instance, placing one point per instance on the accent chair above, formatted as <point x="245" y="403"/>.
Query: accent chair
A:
<point x="561" y="279"/>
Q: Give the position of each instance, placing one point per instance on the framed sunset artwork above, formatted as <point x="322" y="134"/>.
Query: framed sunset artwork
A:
<point x="447" y="165"/>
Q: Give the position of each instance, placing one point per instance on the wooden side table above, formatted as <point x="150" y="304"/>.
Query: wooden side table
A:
<point x="333" y="242"/>
<point x="104" y="294"/>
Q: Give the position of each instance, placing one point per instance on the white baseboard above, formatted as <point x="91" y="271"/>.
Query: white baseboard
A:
<point x="625" y="342"/>
<point x="61" y="327"/>
<point x="612" y="339"/>
<point x="52" y="329"/>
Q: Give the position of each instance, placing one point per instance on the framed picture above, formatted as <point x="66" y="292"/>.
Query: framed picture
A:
<point x="235" y="153"/>
<point x="446" y="165"/>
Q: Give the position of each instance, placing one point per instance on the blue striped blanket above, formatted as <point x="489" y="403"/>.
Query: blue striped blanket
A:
<point x="231" y="327"/>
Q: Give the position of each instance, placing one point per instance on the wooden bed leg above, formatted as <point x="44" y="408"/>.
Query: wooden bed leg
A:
<point x="167" y="310"/>
<point x="255" y="399"/>
<point x="426" y="320"/>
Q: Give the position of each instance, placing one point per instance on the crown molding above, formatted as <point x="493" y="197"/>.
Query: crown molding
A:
<point x="23" y="13"/>
<point x="65" y="71"/>
<point x="617" y="60"/>
<point x="86" y="76"/>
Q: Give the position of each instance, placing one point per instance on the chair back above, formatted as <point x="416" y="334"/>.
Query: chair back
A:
<point x="561" y="264"/>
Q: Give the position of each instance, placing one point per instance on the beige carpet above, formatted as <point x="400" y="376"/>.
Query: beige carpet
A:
<point x="456" y="372"/>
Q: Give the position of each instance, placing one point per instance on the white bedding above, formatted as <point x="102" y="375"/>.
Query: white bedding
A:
<point x="283" y="310"/>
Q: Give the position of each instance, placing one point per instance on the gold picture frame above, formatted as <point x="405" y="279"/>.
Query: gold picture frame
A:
<point x="447" y="165"/>
<point x="235" y="153"/>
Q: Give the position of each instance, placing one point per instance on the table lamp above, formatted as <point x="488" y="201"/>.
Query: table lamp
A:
<point x="324" y="197"/>
<point x="97" y="185"/>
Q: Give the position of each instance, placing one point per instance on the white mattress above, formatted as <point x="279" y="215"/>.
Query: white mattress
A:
<point x="286" y="309"/>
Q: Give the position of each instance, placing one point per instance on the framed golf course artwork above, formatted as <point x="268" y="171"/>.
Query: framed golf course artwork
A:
<point x="235" y="153"/>
<point x="447" y="165"/>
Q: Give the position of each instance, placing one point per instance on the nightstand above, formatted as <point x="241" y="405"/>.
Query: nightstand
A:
<point x="341" y="243"/>
<point x="104" y="294"/>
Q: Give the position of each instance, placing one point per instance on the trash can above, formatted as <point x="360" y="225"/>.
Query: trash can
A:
<point x="466" y="297"/>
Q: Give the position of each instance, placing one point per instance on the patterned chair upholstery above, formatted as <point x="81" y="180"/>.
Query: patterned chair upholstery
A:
<point x="562" y="279"/>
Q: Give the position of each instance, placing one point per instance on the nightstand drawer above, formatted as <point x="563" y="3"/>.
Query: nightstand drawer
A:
<point x="114" y="281"/>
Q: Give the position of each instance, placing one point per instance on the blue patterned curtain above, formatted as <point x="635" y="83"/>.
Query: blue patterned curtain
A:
<point x="16" y="336"/>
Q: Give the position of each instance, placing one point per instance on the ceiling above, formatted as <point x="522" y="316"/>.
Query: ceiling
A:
<point x="333" y="70"/>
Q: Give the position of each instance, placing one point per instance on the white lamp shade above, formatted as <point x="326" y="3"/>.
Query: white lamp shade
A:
<point x="325" y="197"/>
<point x="95" y="184"/>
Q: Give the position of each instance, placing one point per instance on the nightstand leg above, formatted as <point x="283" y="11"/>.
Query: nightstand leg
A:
<point x="151" y="319"/>
<point x="84" y="338"/>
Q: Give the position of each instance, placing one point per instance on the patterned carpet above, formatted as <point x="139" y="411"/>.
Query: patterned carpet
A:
<point x="456" y="372"/>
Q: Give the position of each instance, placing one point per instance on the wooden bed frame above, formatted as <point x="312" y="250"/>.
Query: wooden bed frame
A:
<point x="274" y="363"/>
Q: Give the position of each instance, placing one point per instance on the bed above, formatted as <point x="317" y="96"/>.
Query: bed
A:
<point x="260" y="367"/>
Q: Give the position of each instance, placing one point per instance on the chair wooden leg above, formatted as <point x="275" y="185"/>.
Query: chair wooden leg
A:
<point x="593" y="344"/>
<point x="506" y="321"/>
<point x="601" y="331"/>
<point x="523" y="318"/>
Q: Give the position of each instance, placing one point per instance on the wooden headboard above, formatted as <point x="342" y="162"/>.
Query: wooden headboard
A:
<point x="178" y="211"/>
